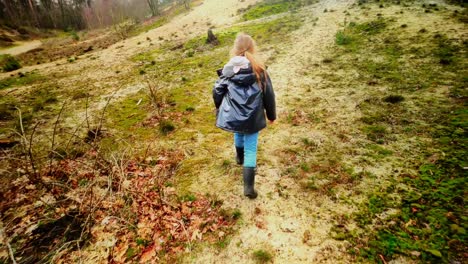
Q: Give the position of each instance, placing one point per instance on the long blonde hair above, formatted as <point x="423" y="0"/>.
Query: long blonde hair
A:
<point x="244" y="45"/>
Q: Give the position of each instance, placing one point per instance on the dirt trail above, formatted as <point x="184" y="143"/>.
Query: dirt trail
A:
<point x="206" y="14"/>
<point x="102" y="70"/>
<point x="285" y="220"/>
<point x="21" y="47"/>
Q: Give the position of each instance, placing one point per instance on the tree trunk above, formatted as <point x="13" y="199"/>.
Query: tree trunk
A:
<point x="154" y="7"/>
<point x="33" y="13"/>
<point x="212" y="39"/>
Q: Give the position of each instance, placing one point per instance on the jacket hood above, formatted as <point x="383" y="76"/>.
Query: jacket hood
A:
<point x="234" y="65"/>
<point x="244" y="77"/>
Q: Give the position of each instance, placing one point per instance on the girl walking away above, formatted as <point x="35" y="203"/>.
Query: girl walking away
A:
<point x="243" y="94"/>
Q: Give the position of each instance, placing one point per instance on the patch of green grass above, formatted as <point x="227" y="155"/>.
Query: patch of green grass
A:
<point x="370" y="28"/>
<point x="420" y="212"/>
<point x="74" y="35"/>
<point x="126" y="114"/>
<point x="41" y="98"/>
<point x="262" y="256"/>
<point x="20" y="80"/>
<point x="265" y="9"/>
<point x="131" y="252"/>
<point x="341" y="38"/>
<point x="222" y="243"/>
<point x="188" y="197"/>
<point x="446" y="51"/>
<point x="272" y="7"/>
<point x="379" y="151"/>
<point x="270" y="32"/>
<point x="432" y="210"/>
<point x="236" y="214"/>
<point x="9" y="63"/>
<point x="375" y="133"/>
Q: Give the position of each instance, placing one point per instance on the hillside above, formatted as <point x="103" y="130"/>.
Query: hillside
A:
<point x="112" y="156"/>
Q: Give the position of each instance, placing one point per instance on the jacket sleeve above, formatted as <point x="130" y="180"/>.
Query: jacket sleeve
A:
<point x="219" y="90"/>
<point x="269" y="100"/>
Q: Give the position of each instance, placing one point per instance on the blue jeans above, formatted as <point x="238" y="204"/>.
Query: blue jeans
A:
<point x="249" y="142"/>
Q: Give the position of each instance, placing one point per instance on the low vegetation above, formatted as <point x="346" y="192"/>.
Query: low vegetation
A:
<point x="115" y="185"/>
<point x="272" y="7"/>
<point x="262" y="256"/>
<point x="418" y="212"/>
<point x="9" y="63"/>
<point x="64" y="154"/>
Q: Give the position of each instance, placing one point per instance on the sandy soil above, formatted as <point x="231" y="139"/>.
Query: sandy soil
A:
<point x="21" y="47"/>
<point x="283" y="216"/>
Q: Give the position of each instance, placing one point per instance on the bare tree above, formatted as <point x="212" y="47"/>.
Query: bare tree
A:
<point x="186" y="3"/>
<point x="154" y="7"/>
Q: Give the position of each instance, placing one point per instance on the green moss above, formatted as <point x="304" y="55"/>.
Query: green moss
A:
<point x="428" y="204"/>
<point x="371" y="27"/>
<point x="265" y="9"/>
<point x="262" y="256"/>
<point x="272" y="7"/>
<point x="9" y="63"/>
<point x="378" y="151"/>
<point x="341" y="38"/>
<point x="375" y="132"/>
<point x="127" y="113"/>
<point x="20" y="80"/>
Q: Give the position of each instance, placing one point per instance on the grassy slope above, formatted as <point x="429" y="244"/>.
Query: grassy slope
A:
<point x="415" y="212"/>
<point x="414" y="116"/>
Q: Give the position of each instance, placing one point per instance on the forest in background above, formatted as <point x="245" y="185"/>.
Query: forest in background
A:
<point x="78" y="14"/>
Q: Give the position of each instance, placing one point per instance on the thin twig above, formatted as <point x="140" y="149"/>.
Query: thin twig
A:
<point x="10" y="250"/>
<point x="189" y="239"/>
<point x="86" y="111"/>
<point x="53" y="136"/>
<point x="31" y="156"/>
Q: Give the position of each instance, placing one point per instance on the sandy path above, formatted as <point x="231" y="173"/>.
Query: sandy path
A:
<point x="103" y="73"/>
<point x="206" y="14"/>
<point x="285" y="220"/>
<point x="21" y="47"/>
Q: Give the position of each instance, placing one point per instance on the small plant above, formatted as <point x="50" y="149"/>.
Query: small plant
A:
<point x="166" y="127"/>
<point x="142" y="72"/>
<point x="74" y="35"/>
<point x="236" y="214"/>
<point x="9" y="63"/>
<point x="341" y="38"/>
<point x="375" y="133"/>
<point x="190" y="109"/>
<point x="262" y="256"/>
<point x="226" y="163"/>
<point x="188" y="198"/>
<point x="190" y="53"/>
<point x="393" y="99"/>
